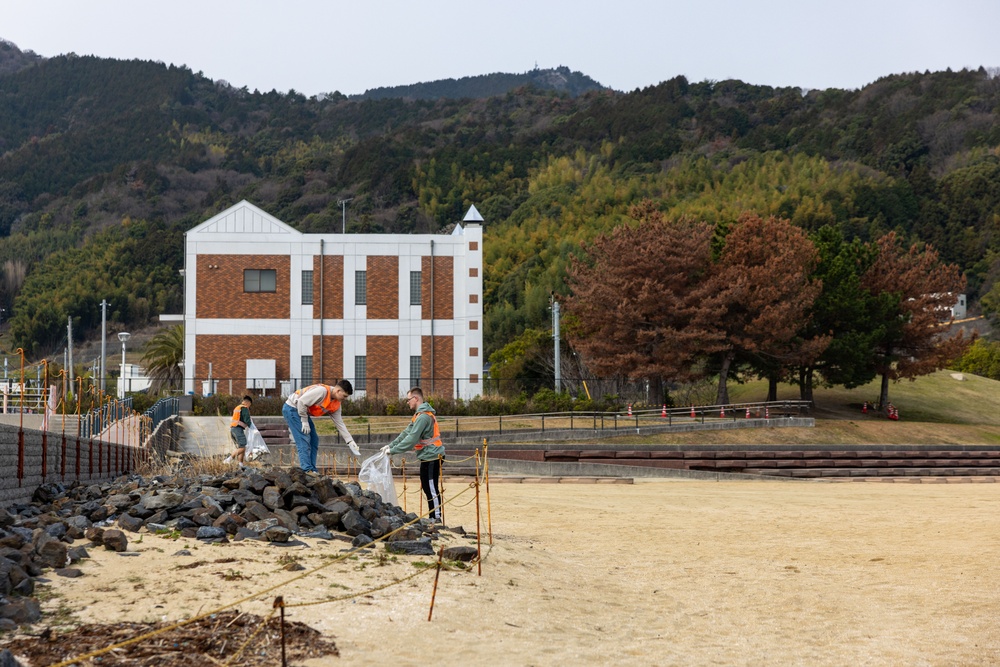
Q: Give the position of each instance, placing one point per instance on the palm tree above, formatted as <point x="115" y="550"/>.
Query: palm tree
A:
<point x="162" y="357"/>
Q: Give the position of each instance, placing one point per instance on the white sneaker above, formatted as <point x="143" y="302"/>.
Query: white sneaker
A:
<point x="354" y="448"/>
<point x="228" y="459"/>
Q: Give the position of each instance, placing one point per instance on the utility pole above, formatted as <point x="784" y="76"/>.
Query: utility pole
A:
<point x="555" y="338"/>
<point x="104" y="340"/>
<point x="69" y="339"/>
<point x="343" y="207"/>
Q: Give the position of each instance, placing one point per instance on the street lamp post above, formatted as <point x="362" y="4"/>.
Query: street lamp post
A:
<point x="343" y="208"/>
<point x="123" y="337"/>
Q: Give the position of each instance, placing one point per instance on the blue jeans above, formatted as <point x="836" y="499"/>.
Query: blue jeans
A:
<point x="307" y="446"/>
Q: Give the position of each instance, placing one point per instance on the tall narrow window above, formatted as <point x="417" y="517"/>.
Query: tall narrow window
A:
<point x="307" y="370"/>
<point x="259" y="280"/>
<point x="415" y="288"/>
<point x="361" y="288"/>
<point x="307" y="288"/>
<point x="415" y="371"/>
<point x="360" y="372"/>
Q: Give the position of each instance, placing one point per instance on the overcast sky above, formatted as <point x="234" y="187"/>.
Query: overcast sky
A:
<point x="316" y="46"/>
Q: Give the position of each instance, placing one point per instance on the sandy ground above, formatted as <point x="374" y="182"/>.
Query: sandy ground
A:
<point x="658" y="572"/>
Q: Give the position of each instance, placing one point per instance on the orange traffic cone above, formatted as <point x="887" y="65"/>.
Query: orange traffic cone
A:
<point x="767" y="413"/>
<point x="864" y="408"/>
<point x="692" y="412"/>
<point x="629" y="409"/>
<point x="722" y="412"/>
<point x="663" y="412"/>
<point x="748" y="412"/>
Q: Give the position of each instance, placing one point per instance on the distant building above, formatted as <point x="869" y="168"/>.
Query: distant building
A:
<point x="958" y="311"/>
<point x="269" y="309"/>
<point x="133" y="378"/>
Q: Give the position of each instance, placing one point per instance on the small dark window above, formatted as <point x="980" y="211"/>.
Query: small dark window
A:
<point x="307" y="288"/>
<point x="415" y="292"/>
<point x="360" y="372"/>
<point x="360" y="288"/>
<point x="415" y="371"/>
<point x="260" y="280"/>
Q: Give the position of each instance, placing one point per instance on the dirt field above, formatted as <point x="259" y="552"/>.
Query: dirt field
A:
<point x="658" y="572"/>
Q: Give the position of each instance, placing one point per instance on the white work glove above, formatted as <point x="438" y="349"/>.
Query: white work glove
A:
<point x="354" y="448"/>
<point x="305" y="428"/>
<point x="384" y="450"/>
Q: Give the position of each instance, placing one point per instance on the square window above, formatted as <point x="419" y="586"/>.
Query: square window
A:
<point x="473" y="273"/>
<point x="473" y="298"/>
<point x="473" y="325"/>
<point x="259" y="280"/>
<point x="473" y="351"/>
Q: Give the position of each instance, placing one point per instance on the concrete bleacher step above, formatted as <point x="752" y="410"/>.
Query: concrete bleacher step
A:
<point x="875" y="472"/>
<point x="804" y="463"/>
<point x="274" y="432"/>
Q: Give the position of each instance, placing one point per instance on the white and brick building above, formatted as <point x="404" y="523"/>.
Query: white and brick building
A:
<point x="270" y="309"/>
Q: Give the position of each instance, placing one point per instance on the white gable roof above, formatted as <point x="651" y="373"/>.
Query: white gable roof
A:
<point x="244" y="218"/>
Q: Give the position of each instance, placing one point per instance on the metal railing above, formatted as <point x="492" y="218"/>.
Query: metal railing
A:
<point x="162" y="409"/>
<point x="549" y="423"/>
<point x="99" y="419"/>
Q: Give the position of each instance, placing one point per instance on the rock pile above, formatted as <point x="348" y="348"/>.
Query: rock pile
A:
<point x="271" y="505"/>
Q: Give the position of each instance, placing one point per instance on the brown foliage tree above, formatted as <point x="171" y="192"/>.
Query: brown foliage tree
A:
<point x="919" y="291"/>
<point x="760" y="292"/>
<point x="636" y="304"/>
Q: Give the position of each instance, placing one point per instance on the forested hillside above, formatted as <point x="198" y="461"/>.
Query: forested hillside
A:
<point x="88" y="145"/>
<point x="560" y="79"/>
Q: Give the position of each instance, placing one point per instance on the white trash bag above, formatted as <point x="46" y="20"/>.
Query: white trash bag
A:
<point x="255" y="445"/>
<point x="376" y="472"/>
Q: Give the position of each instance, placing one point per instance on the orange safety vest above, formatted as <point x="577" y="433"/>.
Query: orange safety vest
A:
<point x="236" y="416"/>
<point x="328" y="405"/>
<point x="434" y="440"/>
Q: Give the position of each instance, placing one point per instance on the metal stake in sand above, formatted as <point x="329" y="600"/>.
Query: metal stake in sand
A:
<point x="402" y="466"/>
<point x="486" y="476"/>
<point x="440" y="506"/>
<point x="479" y="532"/>
<point x="435" y="589"/>
<point x="280" y="603"/>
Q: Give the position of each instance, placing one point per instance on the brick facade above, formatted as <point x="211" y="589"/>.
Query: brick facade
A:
<point x="383" y="365"/>
<point x="444" y="290"/>
<point x="437" y="380"/>
<point x="220" y="287"/>
<point x="228" y="355"/>
<point x="333" y="287"/>
<point x="333" y="357"/>
<point x="383" y="287"/>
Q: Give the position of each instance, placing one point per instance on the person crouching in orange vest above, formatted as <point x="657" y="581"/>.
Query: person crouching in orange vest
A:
<point x="315" y="401"/>
<point x="423" y="435"/>
<point x="237" y="429"/>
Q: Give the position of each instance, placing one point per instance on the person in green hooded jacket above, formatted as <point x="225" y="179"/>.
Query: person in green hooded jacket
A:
<point x="423" y="435"/>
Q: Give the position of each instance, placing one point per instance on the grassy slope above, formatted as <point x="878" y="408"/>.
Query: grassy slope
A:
<point x="935" y="409"/>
